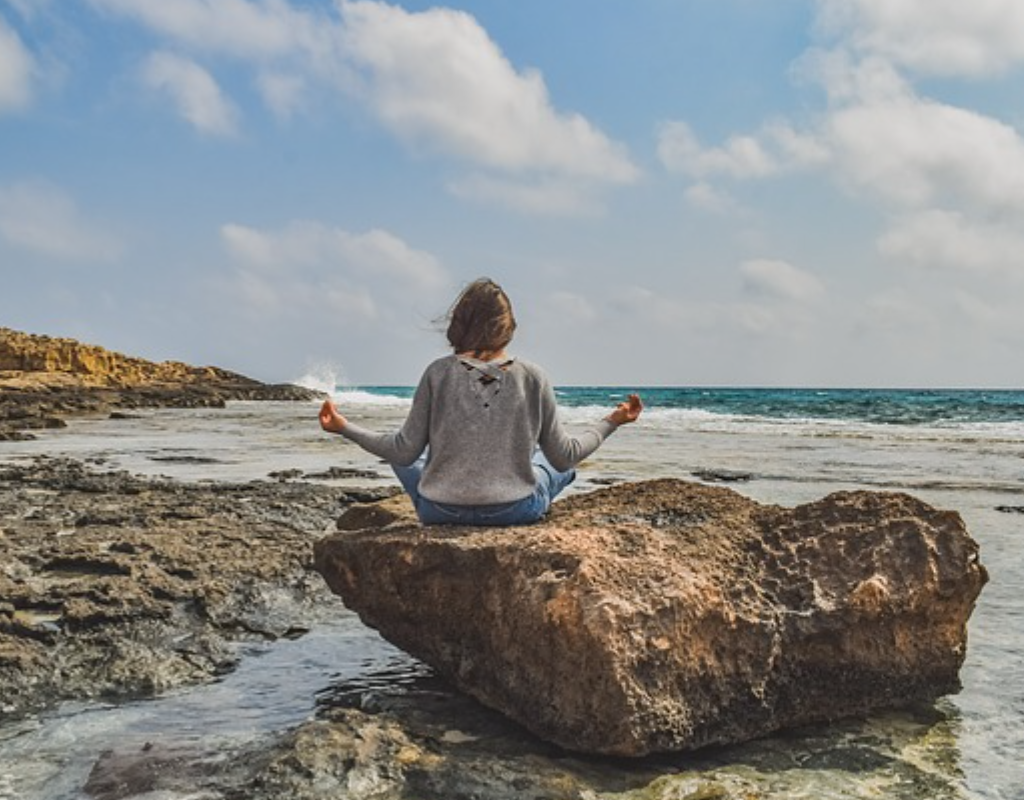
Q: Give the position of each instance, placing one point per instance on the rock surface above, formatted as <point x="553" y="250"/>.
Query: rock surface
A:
<point x="45" y="379"/>
<point x="116" y="585"/>
<point x="666" y="615"/>
<point x="432" y="742"/>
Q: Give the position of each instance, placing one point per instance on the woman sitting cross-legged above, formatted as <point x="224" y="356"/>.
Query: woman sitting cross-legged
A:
<point x="482" y="444"/>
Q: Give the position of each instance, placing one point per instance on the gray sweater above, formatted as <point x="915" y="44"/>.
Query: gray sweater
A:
<point x="483" y="422"/>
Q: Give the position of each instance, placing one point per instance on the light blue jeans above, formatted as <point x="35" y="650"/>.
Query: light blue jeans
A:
<point x="550" y="482"/>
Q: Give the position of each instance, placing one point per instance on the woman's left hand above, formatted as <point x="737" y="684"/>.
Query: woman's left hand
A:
<point x="330" y="420"/>
<point x="627" y="411"/>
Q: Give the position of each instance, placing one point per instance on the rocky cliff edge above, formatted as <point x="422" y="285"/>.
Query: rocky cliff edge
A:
<point x="43" y="380"/>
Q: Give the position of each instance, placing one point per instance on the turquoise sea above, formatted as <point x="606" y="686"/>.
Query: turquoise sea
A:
<point x="883" y="406"/>
<point x="957" y="449"/>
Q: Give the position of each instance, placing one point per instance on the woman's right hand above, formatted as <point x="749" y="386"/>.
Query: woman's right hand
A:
<point x="330" y="420"/>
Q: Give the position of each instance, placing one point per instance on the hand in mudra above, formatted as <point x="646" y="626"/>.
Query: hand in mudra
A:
<point x="627" y="411"/>
<point x="330" y="420"/>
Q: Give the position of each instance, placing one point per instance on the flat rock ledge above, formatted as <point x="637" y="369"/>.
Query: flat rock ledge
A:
<point x="665" y="615"/>
<point x="120" y="586"/>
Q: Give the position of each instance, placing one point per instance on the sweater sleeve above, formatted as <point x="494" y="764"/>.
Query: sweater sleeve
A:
<point x="561" y="449"/>
<point x="406" y="444"/>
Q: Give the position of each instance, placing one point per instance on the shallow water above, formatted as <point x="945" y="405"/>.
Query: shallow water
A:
<point x="49" y="756"/>
<point x="974" y="748"/>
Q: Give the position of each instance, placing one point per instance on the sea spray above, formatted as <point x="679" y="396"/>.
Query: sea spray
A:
<point x="321" y="376"/>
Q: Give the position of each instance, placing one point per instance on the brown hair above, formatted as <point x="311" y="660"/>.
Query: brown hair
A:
<point x="481" y="321"/>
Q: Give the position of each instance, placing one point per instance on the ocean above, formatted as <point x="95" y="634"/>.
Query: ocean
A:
<point x="957" y="449"/>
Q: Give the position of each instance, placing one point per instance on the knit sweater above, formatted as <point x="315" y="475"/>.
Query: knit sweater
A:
<point x="482" y="422"/>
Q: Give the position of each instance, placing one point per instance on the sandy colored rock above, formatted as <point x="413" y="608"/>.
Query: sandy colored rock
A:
<point x="26" y="357"/>
<point x="44" y="380"/>
<point x="667" y="615"/>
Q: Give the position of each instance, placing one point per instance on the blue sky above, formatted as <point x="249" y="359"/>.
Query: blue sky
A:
<point x="681" y="192"/>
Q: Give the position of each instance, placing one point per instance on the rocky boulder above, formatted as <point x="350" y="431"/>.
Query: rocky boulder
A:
<point x="666" y="615"/>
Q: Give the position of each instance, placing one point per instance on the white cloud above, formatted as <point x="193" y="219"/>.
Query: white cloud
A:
<point x="779" y="280"/>
<point x="571" y="308"/>
<point x="776" y="148"/>
<point x="260" y="30"/>
<point x="284" y="94"/>
<point x="937" y="238"/>
<point x="997" y="321"/>
<point x="846" y="79"/>
<point x="881" y="139"/>
<point x="917" y="152"/>
<point x="43" y="219"/>
<point x="759" y="319"/>
<point x="260" y="295"/>
<point x="436" y="77"/>
<point x="739" y="157"/>
<point x="796" y="149"/>
<point x="17" y="68"/>
<point x="311" y="277"/>
<point x="895" y="311"/>
<point x="649" y="307"/>
<point x="909" y="150"/>
<point x="710" y="198"/>
<point x="376" y="254"/>
<point x="546" y="196"/>
<point x="194" y="91"/>
<point x="934" y="37"/>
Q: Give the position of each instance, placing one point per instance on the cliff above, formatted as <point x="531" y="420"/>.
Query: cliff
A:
<point x="44" y="360"/>
<point x="44" y="379"/>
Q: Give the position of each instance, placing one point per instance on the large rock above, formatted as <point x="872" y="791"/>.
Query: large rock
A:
<point x="668" y="615"/>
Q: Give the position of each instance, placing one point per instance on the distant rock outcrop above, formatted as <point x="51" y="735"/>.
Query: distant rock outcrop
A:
<point x="666" y="615"/>
<point x="45" y="379"/>
<point x="30" y="357"/>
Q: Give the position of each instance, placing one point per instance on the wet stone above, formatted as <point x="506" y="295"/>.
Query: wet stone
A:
<point x="116" y="585"/>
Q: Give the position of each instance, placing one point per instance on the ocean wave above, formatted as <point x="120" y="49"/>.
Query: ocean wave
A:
<point x="321" y="378"/>
<point x="364" y="397"/>
<point x="585" y="407"/>
<point x="694" y="420"/>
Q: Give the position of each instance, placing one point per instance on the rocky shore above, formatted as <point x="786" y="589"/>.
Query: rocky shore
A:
<point x="113" y="585"/>
<point x="45" y="380"/>
<point x="116" y="586"/>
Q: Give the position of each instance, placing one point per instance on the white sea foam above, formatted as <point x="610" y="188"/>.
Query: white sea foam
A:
<point x="321" y="377"/>
<point x="361" y="397"/>
<point x="692" y="420"/>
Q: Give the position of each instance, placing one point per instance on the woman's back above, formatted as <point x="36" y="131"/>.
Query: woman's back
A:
<point x="483" y="430"/>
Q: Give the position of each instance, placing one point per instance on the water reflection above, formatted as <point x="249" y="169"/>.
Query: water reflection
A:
<point x="50" y="756"/>
<point x="911" y="754"/>
<point x="400" y="676"/>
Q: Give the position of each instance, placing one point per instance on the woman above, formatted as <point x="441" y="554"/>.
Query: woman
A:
<point x="482" y="444"/>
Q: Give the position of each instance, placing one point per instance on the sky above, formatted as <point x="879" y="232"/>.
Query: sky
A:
<point x="672" y="192"/>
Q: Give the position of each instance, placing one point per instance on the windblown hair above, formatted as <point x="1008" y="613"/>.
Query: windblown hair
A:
<point x="481" y="321"/>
